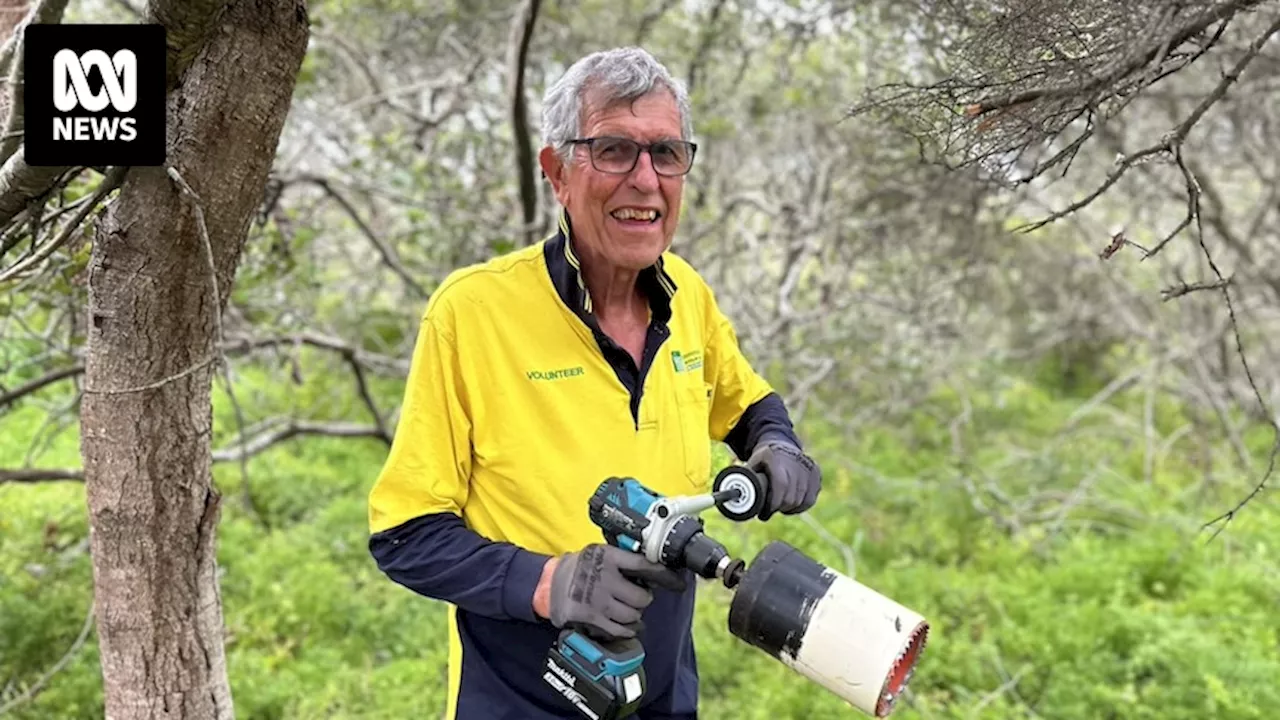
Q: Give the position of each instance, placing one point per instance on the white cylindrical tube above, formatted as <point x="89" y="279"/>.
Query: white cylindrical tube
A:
<point x="829" y="628"/>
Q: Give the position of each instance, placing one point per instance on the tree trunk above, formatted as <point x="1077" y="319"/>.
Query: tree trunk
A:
<point x="146" y="417"/>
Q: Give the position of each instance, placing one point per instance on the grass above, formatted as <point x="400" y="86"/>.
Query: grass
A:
<point x="1114" y="607"/>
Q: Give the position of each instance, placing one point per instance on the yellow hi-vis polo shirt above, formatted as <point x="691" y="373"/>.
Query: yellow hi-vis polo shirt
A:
<point x="515" y="410"/>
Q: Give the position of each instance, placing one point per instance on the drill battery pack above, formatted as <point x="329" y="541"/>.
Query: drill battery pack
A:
<point x="602" y="680"/>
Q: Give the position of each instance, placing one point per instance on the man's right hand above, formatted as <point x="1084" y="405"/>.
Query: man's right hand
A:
<point x="591" y="587"/>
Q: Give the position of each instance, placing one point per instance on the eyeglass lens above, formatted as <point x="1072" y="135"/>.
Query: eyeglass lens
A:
<point x="620" y="155"/>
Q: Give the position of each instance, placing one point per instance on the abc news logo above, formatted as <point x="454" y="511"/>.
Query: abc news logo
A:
<point x="94" y="95"/>
<point x="71" y="90"/>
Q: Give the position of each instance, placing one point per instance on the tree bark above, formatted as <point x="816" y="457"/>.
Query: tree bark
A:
<point x="147" y="416"/>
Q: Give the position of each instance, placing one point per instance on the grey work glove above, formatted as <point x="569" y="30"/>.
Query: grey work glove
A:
<point x="794" y="479"/>
<point x="591" y="589"/>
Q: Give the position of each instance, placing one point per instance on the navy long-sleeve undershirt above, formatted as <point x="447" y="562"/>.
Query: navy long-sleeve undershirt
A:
<point x="440" y="557"/>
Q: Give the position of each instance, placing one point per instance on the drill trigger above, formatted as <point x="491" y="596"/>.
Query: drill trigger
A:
<point x="638" y="579"/>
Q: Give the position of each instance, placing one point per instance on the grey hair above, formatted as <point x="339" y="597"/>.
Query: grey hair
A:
<point x="616" y="75"/>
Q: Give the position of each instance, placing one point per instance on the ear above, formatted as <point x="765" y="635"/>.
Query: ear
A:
<point x="554" y="169"/>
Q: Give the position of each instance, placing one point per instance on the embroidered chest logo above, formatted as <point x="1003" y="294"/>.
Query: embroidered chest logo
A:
<point x="686" y="361"/>
<point x="560" y="374"/>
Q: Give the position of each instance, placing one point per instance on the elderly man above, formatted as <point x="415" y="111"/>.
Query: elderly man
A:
<point x="538" y="374"/>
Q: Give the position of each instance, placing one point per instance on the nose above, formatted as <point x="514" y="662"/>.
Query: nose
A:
<point x="644" y="177"/>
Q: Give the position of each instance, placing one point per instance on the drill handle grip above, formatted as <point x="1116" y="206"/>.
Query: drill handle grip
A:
<point x="766" y="492"/>
<point x="604" y="639"/>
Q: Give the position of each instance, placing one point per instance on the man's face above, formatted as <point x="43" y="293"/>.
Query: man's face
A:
<point x="599" y="202"/>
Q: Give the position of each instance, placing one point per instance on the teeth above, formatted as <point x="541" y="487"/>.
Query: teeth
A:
<point x="632" y="214"/>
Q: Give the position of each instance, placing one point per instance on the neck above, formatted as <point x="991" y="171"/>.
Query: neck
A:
<point x="615" y="292"/>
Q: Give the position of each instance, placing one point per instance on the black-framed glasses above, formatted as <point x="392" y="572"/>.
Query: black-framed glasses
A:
<point x="618" y="155"/>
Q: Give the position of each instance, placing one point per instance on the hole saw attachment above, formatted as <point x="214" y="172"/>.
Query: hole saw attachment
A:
<point x="825" y="626"/>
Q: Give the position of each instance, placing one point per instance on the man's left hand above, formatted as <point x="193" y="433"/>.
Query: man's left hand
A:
<point x="794" y="478"/>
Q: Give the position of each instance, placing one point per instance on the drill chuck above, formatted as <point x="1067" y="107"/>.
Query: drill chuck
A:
<point x="664" y="530"/>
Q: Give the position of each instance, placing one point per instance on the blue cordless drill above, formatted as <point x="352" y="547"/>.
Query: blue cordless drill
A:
<point x="604" y="679"/>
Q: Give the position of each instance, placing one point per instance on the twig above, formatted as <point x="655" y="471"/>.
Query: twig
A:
<point x="321" y="341"/>
<point x="1194" y="216"/>
<point x="517" y="56"/>
<point x="1113" y="177"/>
<point x="158" y="383"/>
<point x="388" y="254"/>
<point x="1228" y="516"/>
<point x="1178" y="291"/>
<point x="40" y="475"/>
<point x="1151" y="58"/>
<point x="362" y="386"/>
<point x="44" y="12"/>
<point x="850" y="564"/>
<point x="1006" y="687"/>
<point x="38" y="383"/>
<point x="198" y="208"/>
<point x="355" y="356"/>
<point x="1170" y="143"/>
<point x="112" y="180"/>
<point x="1206" y="387"/>
<point x="281" y="430"/>
<point x="12" y="238"/>
<point x="291" y="430"/>
<point x="59" y="419"/>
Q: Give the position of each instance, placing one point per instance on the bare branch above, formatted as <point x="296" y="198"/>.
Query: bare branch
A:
<point x="280" y="431"/>
<point x="39" y="475"/>
<point x="39" y="383"/>
<point x="188" y="24"/>
<point x="358" y="358"/>
<point x="1031" y="72"/>
<point x="55" y="422"/>
<point x="323" y="342"/>
<point x="45" y="12"/>
<point x="218" y="336"/>
<point x="517" y="55"/>
<point x="1171" y="143"/>
<point x="385" y="251"/>
<point x="295" y="428"/>
<point x="20" y="184"/>
<point x="1185" y="288"/>
<point x="363" y="386"/>
<point x="1154" y="50"/>
<point x="109" y="183"/>
<point x="706" y="37"/>
<point x="1194" y="192"/>
<point x="1222" y="520"/>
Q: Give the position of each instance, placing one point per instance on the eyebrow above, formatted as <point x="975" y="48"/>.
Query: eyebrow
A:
<point x="664" y="138"/>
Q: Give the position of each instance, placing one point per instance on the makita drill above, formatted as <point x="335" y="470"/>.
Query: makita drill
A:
<point x="605" y="680"/>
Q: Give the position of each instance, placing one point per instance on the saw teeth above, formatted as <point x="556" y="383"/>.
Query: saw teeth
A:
<point x="918" y="640"/>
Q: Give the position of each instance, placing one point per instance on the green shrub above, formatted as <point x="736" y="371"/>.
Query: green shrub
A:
<point x="1112" y="606"/>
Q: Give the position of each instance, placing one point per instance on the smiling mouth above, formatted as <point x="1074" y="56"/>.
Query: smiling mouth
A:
<point x="634" y="215"/>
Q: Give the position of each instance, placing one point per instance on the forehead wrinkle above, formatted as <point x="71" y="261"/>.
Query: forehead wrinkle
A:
<point x="602" y="120"/>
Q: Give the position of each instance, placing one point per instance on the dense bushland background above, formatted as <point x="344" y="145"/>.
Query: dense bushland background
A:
<point x="1022" y="440"/>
